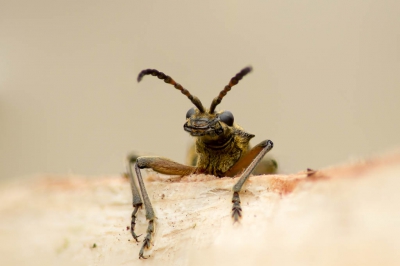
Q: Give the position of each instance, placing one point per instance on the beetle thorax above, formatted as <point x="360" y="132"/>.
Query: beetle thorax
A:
<point x="217" y="156"/>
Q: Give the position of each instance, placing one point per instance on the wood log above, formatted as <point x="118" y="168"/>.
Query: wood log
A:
<point x="342" y="215"/>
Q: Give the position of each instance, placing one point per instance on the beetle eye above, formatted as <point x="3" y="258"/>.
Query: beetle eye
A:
<point x="190" y="112"/>
<point x="227" y="118"/>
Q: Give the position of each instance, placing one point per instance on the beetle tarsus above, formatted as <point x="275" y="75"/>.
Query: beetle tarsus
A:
<point x="133" y="223"/>
<point x="236" y="209"/>
<point x="147" y="240"/>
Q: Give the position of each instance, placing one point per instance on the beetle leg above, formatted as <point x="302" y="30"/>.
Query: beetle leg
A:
<point x="147" y="239"/>
<point x="136" y="199"/>
<point x="133" y="223"/>
<point x="160" y="165"/>
<point x="251" y="159"/>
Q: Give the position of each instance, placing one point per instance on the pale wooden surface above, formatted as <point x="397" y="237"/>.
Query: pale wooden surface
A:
<point x="342" y="215"/>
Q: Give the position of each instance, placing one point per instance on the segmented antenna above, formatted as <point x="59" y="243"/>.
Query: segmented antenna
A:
<point x="169" y="80"/>
<point x="235" y="80"/>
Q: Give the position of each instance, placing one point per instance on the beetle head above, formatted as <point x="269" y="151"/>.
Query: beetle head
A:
<point x="199" y="121"/>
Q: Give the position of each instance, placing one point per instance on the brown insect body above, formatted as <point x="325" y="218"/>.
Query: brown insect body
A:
<point x="218" y="153"/>
<point x="222" y="149"/>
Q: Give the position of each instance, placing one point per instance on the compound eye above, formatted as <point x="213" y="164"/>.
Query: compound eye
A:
<point x="227" y="118"/>
<point x="190" y="112"/>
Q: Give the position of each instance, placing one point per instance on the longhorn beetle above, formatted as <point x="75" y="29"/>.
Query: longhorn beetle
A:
<point x="222" y="149"/>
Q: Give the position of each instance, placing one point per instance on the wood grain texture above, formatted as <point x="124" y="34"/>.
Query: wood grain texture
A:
<point x="341" y="215"/>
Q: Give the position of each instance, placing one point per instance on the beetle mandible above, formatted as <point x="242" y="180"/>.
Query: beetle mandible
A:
<point x="221" y="149"/>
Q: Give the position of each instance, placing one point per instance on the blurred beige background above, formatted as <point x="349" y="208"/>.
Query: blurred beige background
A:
<point x="325" y="86"/>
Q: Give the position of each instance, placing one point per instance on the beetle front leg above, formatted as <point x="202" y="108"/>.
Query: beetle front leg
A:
<point x="136" y="199"/>
<point x="160" y="165"/>
<point x="149" y="211"/>
<point x="255" y="155"/>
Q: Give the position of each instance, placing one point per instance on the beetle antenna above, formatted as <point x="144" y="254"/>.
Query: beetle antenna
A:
<point x="169" y="80"/>
<point x="235" y="80"/>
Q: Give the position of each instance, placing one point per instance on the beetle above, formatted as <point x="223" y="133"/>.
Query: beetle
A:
<point x="221" y="149"/>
